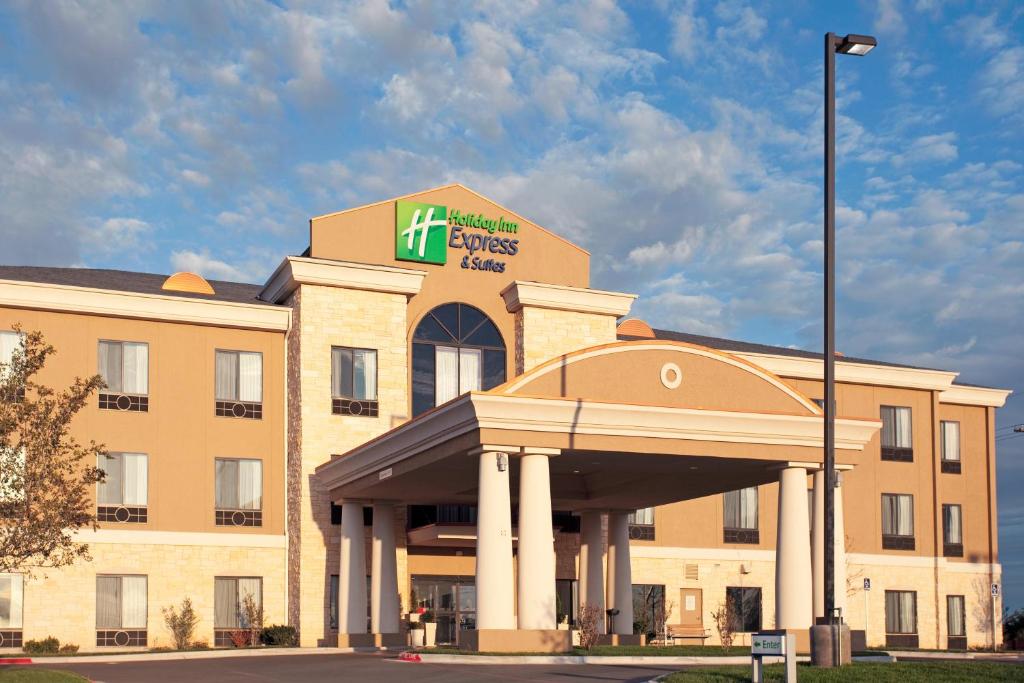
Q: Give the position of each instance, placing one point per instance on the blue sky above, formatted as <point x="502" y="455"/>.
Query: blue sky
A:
<point x="679" y="141"/>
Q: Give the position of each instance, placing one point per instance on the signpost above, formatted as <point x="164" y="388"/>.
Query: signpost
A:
<point x="867" y="612"/>
<point x="995" y="596"/>
<point x="772" y="644"/>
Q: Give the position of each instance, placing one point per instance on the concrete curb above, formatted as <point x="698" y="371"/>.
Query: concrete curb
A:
<point x="590" y="659"/>
<point x="884" y="659"/>
<point x="212" y="654"/>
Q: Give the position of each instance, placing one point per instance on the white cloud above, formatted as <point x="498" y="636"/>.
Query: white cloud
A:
<point x="195" y="177"/>
<point x="889" y="19"/>
<point x="983" y="33"/>
<point x="928" y="148"/>
<point x="202" y="263"/>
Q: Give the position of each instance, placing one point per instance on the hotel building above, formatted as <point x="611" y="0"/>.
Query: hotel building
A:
<point x="431" y="408"/>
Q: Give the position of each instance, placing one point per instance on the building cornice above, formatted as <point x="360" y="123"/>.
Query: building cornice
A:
<point x="852" y="373"/>
<point x="86" y="300"/>
<point x="561" y="298"/>
<point x="301" y="270"/>
<point x="975" y="396"/>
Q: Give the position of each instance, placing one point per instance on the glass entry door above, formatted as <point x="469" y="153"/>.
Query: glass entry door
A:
<point x="452" y="601"/>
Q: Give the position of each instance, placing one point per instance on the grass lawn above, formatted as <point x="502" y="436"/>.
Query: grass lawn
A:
<point x="30" y="674"/>
<point x="618" y="651"/>
<point x="900" y="672"/>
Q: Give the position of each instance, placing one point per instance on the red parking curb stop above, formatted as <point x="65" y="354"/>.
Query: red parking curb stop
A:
<point x="409" y="657"/>
<point x="15" y="660"/>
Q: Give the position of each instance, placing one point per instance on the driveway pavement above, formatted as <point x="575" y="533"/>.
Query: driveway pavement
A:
<point x="352" y="667"/>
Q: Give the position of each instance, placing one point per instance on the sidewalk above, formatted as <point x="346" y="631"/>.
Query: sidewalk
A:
<point x="204" y="654"/>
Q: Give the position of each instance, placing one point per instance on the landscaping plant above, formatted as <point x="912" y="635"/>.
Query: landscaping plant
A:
<point x="181" y="623"/>
<point x="589" y="619"/>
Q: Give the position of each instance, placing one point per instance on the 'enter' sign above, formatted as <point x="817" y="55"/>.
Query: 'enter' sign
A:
<point x="768" y="645"/>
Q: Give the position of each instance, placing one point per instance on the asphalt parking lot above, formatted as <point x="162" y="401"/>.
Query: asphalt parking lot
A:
<point x="351" y="667"/>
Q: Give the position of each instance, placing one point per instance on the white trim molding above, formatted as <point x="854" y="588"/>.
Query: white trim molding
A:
<point x="118" y="304"/>
<point x="301" y="270"/>
<point x="923" y="562"/>
<point x="975" y="396"/>
<point x="561" y="298"/>
<point x="189" y="538"/>
<point x="852" y="373"/>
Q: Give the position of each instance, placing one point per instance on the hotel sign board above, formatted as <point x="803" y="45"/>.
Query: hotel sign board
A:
<point x="426" y="233"/>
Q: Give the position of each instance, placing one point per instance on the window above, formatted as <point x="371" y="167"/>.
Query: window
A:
<point x="353" y="381"/>
<point x="124" y="367"/>
<point x="641" y="524"/>
<point x="952" y="531"/>
<point x="901" y="619"/>
<point x="239" y="492"/>
<point x="648" y="609"/>
<point x="456" y="348"/>
<point x="239" y="384"/>
<point x="11" y="599"/>
<point x="896" y="434"/>
<point x="567" y="600"/>
<point x="956" y="623"/>
<point x="333" y="606"/>
<point x="122" y="495"/>
<point x="950" y="432"/>
<point x="897" y="521"/>
<point x="10" y="343"/>
<point x="230" y="609"/>
<point x="12" y="483"/>
<point x="121" y="610"/>
<point x="745" y="608"/>
<point x="741" y="516"/>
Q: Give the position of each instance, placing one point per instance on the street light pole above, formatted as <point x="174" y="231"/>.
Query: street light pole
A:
<point x="855" y="45"/>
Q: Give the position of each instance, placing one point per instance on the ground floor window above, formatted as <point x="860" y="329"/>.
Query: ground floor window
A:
<point x="901" y="618"/>
<point x="11" y="599"/>
<point x="648" y="609"/>
<point x="956" y="622"/>
<point x="567" y="600"/>
<point x="744" y="605"/>
<point x="235" y="603"/>
<point x="451" y="602"/>
<point x="121" y="610"/>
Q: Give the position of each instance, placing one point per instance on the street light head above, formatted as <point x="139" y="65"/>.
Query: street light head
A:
<point x="854" y="44"/>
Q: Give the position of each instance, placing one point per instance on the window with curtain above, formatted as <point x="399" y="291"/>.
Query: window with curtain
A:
<point x="11" y="601"/>
<point x="897" y="521"/>
<point x="354" y="381"/>
<point x="229" y="597"/>
<point x="238" y="384"/>
<point x="740" y="516"/>
<point x="10" y="343"/>
<point x="123" y="494"/>
<point x="455" y="349"/>
<point x="121" y="610"/>
<point x="124" y="367"/>
<point x="956" y="621"/>
<point x="900" y="612"/>
<point x="239" y="492"/>
<point x="744" y="607"/>
<point x="952" y="531"/>
<point x="641" y="524"/>
<point x="950" y="446"/>
<point x="897" y="431"/>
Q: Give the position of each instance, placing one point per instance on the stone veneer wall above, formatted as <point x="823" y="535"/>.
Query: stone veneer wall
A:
<point x="325" y="317"/>
<point x="544" y="333"/>
<point x="62" y="603"/>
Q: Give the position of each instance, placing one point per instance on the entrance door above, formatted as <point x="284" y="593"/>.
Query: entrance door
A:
<point x="691" y="607"/>
<point x="451" y="601"/>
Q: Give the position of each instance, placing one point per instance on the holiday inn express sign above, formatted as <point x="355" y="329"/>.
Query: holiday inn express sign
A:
<point x="424" y="233"/>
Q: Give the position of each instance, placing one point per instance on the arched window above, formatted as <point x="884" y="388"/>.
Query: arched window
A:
<point x="455" y="349"/>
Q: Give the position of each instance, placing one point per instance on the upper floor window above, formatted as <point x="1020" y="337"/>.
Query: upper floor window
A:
<point x="950" y="432"/>
<point x="353" y="381"/>
<point x="10" y="343"/>
<point x="952" y="531"/>
<point x="641" y="524"/>
<point x="124" y="367"/>
<point x="239" y="492"/>
<point x="897" y="521"/>
<point x="121" y="610"/>
<point x="123" y="493"/>
<point x="455" y="349"/>
<point x="896" y="434"/>
<point x="239" y="384"/>
<point x="740" y="518"/>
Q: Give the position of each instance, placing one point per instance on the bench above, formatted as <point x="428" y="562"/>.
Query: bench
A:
<point x="681" y="634"/>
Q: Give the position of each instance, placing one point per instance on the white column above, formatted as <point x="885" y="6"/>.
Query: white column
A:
<point x="793" y="602"/>
<point x="840" y="539"/>
<point x="384" y="606"/>
<point x="494" y="583"/>
<point x="818" y="543"/>
<point x="352" y="571"/>
<point x="536" y="544"/>
<point x="620" y="578"/>
<point x="591" y="574"/>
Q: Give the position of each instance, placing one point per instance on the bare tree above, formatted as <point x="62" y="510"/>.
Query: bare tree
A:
<point x="589" y="619"/>
<point x="724" y="623"/>
<point x="46" y="476"/>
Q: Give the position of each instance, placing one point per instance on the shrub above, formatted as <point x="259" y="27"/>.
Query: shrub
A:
<point x="181" y="623"/>
<point x="279" y="636"/>
<point x="68" y="649"/>
<point x="252" y="613"/>
<point x="724" y="620"/>
<point x="199" y="645"/>
<point x="46" y="646"/>
<point x="239" y="637"/>
<point x="590" y="618"/>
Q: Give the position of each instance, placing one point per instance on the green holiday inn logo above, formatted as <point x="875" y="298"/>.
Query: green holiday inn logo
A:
<point x="421" y="232"/>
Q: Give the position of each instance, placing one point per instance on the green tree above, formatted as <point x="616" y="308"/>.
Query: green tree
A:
<point x="46" y="477"/>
